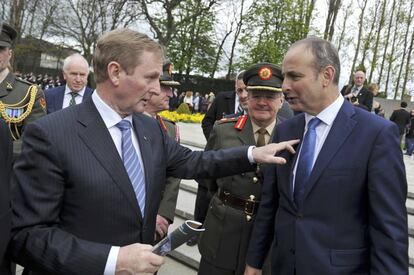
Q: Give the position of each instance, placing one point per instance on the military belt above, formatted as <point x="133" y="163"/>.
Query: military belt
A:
<point x="248" y="206"/>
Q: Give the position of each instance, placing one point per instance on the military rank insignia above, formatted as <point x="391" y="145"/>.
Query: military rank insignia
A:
<point x="241" y="121"/>
<point x="265" y="73"/>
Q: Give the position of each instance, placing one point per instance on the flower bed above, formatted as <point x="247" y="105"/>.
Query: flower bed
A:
<point x="190" y="118"/>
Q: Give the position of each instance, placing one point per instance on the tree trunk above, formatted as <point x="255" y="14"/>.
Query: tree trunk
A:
<point x="375" y="51"/>
<point x="387" y="41"/>
<point x="361" y="23"/>
<point x="236" y="37"/>
<point x="407" y="66"/>
<point x="409" y="19"/>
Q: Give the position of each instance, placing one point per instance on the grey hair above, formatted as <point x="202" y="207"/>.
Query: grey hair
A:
<point x="324" y="53"/>
<point x="69" y="59"/>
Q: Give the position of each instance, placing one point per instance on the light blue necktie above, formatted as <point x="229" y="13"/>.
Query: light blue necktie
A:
<point x="132" y="164"/>
<point x="304" y="168"/>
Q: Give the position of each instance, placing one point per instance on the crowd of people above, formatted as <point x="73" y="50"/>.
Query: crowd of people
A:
<point x="43" y="81"/>
<point x="296" y="177"/>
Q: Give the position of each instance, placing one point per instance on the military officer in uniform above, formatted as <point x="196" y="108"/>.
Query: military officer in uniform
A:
<point x="156" y="104"/>
<point x="232" y="210"/>
<point x="20" y="101"/>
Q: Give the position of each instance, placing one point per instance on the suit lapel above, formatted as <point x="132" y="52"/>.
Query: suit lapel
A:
<point x="87" y="94"/>
<point x="59" y="99"/>
<point x="144" y="142"/>
<point x="297" y="133"/>
<point x="341" y="128"/>
<point x="99" y="141"/>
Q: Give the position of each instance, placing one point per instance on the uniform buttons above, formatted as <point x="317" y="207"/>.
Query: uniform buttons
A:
<point x="255" y="179"/>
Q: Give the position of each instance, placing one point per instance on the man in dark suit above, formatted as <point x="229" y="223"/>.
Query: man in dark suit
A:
<point x="75" y="72"/>
<point x="358" y="94"/>
<point x="87" y="194"/>
<point x="401" y="117"/>
<point x="338" y="206"/>
<point x="226" y="103"/>
<point x="6" y="156"/>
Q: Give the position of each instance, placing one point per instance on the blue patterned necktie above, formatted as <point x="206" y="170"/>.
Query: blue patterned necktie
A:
<point x="305" y="161"/>
<point x="132" y="164"/>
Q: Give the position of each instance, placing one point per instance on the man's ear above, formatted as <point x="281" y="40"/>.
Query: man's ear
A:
<point x="328" y="75"/>
<point x="114" y="70"/>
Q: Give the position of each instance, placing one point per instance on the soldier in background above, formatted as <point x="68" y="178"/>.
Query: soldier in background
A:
<point x="20" y="101"/>
<point x="156" y="104"/>
<point x="233" y="207"/>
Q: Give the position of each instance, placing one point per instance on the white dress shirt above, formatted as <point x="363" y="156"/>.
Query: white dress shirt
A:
<point x="67" y="97"/>
<point x="327" y="117"/>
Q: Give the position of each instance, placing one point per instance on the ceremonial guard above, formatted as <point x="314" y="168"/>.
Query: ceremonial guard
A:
<point x="156" y="104"/>
<point x="20" y="101"/>
<point x="236" y="199"/>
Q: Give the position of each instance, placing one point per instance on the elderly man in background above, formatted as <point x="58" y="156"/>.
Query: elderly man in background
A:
<point x="75" y="72"/>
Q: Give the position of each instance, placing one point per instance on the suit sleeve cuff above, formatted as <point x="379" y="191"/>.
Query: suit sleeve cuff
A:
<point x="250" y="154"/>
<point x="111" y="261"/>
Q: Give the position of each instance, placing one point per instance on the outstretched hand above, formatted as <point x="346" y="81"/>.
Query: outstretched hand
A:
<point x="266" y="154"/>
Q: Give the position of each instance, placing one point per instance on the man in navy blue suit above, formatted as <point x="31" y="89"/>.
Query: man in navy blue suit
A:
<point x="338" y="205"/>
<point x="75" y="72"/>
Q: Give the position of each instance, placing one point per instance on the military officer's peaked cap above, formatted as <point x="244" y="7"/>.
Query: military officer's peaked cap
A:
<point x="7" y="35"/>
<point x="166" y="77"/>
<point x="264" y="76"/>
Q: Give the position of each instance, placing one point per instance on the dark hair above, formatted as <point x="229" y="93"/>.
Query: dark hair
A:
<point x="403" y="104"/>
<point x="324" y="53"/>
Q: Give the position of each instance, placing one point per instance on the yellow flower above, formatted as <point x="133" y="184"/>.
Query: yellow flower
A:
<point x="173" y="116"/>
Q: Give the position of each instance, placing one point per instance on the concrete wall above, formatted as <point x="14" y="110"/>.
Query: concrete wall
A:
<point x="390" y="105"/>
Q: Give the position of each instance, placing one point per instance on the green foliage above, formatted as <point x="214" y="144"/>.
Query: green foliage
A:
<point x="271" y="27"/>
<point x="183" y="109"/>
<point x="193" y="47"/>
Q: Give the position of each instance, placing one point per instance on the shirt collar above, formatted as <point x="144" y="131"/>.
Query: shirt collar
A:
<point x="328" y="114"/>
<point x="68" y="90"/>
<point x="269" y="128"/>
<point x="109" y="116"/>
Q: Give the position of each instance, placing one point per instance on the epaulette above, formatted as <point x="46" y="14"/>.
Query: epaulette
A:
<point x="24" y="81"/>
<point x="241" y="121"/>
<point x="226" y="120"/>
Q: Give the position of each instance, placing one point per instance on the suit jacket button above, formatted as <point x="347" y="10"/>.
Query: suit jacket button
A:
<point x="292" y="250"/>
<point x="299" y="215"/>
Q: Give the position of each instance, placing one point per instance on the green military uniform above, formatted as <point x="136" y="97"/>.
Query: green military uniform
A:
<point x="227" y="235"/>
<point x="232" y="210"/>
<point x="20" y="103"/>
<point x="170" y="194"/>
